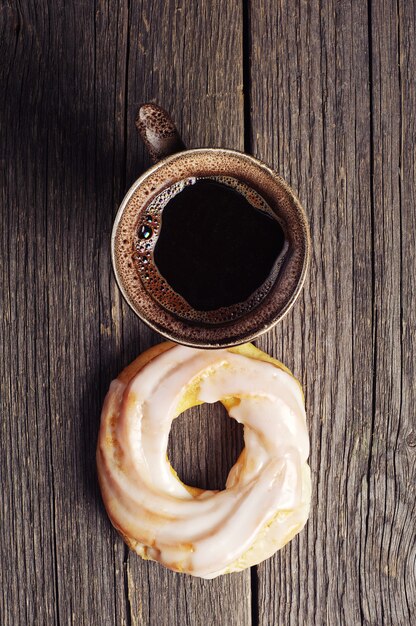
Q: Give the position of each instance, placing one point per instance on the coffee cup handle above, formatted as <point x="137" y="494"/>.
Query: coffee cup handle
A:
<point x="158" y="132"/>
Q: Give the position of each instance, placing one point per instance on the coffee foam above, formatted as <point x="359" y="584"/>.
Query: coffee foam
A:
<point x="167" y="311"/>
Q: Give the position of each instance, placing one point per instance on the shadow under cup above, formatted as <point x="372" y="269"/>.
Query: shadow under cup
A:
<point x="167" y="312"/>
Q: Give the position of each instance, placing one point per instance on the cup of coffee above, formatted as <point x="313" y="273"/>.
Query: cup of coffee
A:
<point x="210" y="246"/>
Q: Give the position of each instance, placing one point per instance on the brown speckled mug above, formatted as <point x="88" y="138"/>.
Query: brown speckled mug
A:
<point x="143" y="287"/>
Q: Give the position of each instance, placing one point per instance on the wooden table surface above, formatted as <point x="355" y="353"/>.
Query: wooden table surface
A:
<point x="324" y="91"/>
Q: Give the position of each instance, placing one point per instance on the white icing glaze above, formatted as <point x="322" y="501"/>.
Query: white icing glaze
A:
<point x="266" y="500"/>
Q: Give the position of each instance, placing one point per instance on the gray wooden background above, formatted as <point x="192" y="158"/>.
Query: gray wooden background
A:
<point x="325" y="92"/>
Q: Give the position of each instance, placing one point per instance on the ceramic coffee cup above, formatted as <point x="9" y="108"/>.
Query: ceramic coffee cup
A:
<point x="140" y="219"/>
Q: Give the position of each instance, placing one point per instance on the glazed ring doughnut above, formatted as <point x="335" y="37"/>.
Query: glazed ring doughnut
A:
<point x="267" y="495"/>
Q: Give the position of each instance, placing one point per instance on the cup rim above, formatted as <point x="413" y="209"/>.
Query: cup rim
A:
<point x="248" y="337"/>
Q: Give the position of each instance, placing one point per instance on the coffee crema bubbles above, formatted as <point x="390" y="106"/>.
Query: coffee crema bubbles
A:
<point x="208" y="249"/>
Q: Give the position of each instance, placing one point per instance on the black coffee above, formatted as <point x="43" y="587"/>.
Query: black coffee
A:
<point x="214" y="248"/>
<point x="208" y="249"/>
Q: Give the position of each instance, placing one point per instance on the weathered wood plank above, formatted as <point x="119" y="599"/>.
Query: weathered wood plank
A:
<point x="28" y="548"/>
<point x="86" y="180"/>
<point x="389" y="587"/>
<point x="310" y="111"/>
<point x="187" y="57"/>
<point x="403" y="549"/>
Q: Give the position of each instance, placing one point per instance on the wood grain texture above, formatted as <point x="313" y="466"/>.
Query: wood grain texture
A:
<point x="190" y="55"/>
<point x="389" y="592"/>
<point x="74" y="74"/>
<point x="406" y="442"/>
<point x="332" y="111"/>
<point x="330" y="102"/>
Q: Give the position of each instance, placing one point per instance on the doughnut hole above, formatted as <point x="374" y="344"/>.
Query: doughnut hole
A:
<point x="204" y="444"/>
